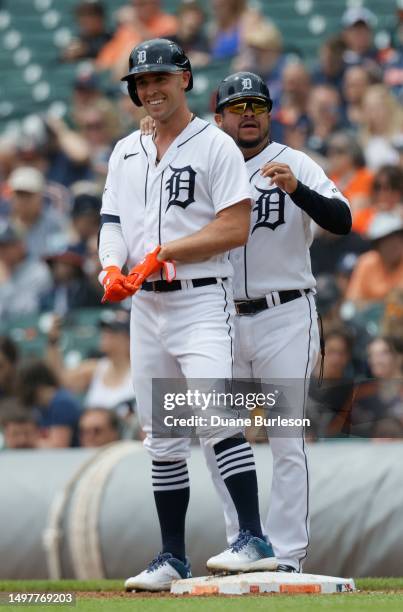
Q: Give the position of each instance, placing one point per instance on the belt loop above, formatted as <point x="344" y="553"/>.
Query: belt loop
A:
<point x="276" y="298"/>
<point x="270" y="300"/>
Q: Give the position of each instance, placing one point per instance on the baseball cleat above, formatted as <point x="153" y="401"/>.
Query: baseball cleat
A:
<point x="286" y="568"/>
<point x="247" y="554"/>
<point x="159" y="575"/>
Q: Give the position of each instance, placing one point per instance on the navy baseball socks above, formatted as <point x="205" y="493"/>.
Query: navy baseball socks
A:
<point x="170" y="481"/>
<point x="250" y="552"/>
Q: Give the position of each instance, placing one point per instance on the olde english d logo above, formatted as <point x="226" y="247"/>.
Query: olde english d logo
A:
<point x="269" y="208"/>
<point x="181" y="187"/>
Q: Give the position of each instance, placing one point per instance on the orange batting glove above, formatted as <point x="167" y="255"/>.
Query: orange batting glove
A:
<point x="148" y="266"/>
<point x="116" y="285"/>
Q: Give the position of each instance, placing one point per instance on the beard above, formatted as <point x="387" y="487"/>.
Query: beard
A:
<point x="251" y="144"/>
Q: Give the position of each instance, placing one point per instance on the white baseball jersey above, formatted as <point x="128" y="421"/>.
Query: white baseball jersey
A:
<point x="200" y="174"/>
<point x="276" y="257"/>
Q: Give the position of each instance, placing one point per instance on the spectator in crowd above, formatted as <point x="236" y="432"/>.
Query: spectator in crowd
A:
<point x="263" y="54"/>
<point x="348" y="170"/>
<point x="329" y="405"/>
<point x="331" y="66"/>
<point x="70" y="287"/>
<point x="42" y="227"/>
<point x="87" y="91"/>
<point x="190" y="33"/>
<point x="231" y="21"/>
<point x="8" y="367"/>
<point x="296" y="87"/>
<point x="385" y="358"/>
<point x="92" y="32"/>
<point x="383" y="119"/>
<point x="141" y="20"/>
<point x="20" y="429"/>
<point x="107" y="381"/>
<point x="339" y="350"/>
<point x="98" y="427"/>
<point x="380" y="401"/>
<point x="68" y="154"/>
<point x="358" y="23"/>
<point x="356" y="81"/>
<point x="47" y="144"/>
<point x="381" y="269"/>
<point x="57" y="411"/>
<point x="323" y="112"/>
<point x="387" y="196"/>
<point x="85" y="219"/>
<point x="99" y="129"/>
<point x="22" y="278"/>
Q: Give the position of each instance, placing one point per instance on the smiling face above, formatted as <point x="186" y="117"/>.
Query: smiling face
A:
<point x="250" y="129"/>
<point x="162" y="93"/>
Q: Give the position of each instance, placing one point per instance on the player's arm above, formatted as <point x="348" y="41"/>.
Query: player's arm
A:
<point x="112" y="248"/>
<point x="331" y="213"/>
<point x="229" y="230"/>
<point x="229" y="189"/>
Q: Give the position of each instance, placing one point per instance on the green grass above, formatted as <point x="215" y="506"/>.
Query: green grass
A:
<point x="375" y="602"/>
<point x="363" y="584"/>
<point x="380" y="596"/>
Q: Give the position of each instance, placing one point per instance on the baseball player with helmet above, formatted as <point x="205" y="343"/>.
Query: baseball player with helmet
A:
<point x="176" y="202"/>
<point x="276" y="330"/>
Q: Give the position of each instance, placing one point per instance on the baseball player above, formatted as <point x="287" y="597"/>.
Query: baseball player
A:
<point x="180" y="197"/>
<point x="276" y="331"/>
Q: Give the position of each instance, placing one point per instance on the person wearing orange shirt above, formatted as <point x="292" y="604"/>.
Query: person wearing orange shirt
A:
<point x="380" y="270"/>
<point x="387" y="196"/>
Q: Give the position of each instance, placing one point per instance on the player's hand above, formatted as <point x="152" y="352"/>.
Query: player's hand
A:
<point x="149" y="265"/>
<point x="117" y="286"/>
<point x="147" y="126"/>
<point x="280" y="175"/>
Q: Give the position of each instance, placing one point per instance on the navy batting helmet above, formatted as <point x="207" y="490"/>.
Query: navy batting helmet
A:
<point x="242" y="85"/>
<point x="156" y="55"/>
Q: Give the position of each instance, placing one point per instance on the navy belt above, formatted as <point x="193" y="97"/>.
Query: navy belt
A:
<point x="161" y="286"/>
<point x="248" y="307"/>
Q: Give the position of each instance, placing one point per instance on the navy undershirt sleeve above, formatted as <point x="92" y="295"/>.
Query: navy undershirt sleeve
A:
<point x="331" y="214"/>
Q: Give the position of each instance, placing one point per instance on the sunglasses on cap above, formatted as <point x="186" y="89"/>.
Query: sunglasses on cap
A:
<point x="238" y="108"/>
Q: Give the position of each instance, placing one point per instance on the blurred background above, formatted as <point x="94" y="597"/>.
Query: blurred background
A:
<point x="335" y="73"/>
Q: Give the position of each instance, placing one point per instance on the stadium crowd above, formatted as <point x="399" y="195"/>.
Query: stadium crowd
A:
<point x="345" y="111"/>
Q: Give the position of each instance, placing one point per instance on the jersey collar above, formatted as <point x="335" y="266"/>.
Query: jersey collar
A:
<point x="192" y="129"/>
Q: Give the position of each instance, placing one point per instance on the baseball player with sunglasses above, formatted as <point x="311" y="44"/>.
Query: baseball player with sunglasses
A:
<point x="177" y="201"/>
<point x="276" y="330"/>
